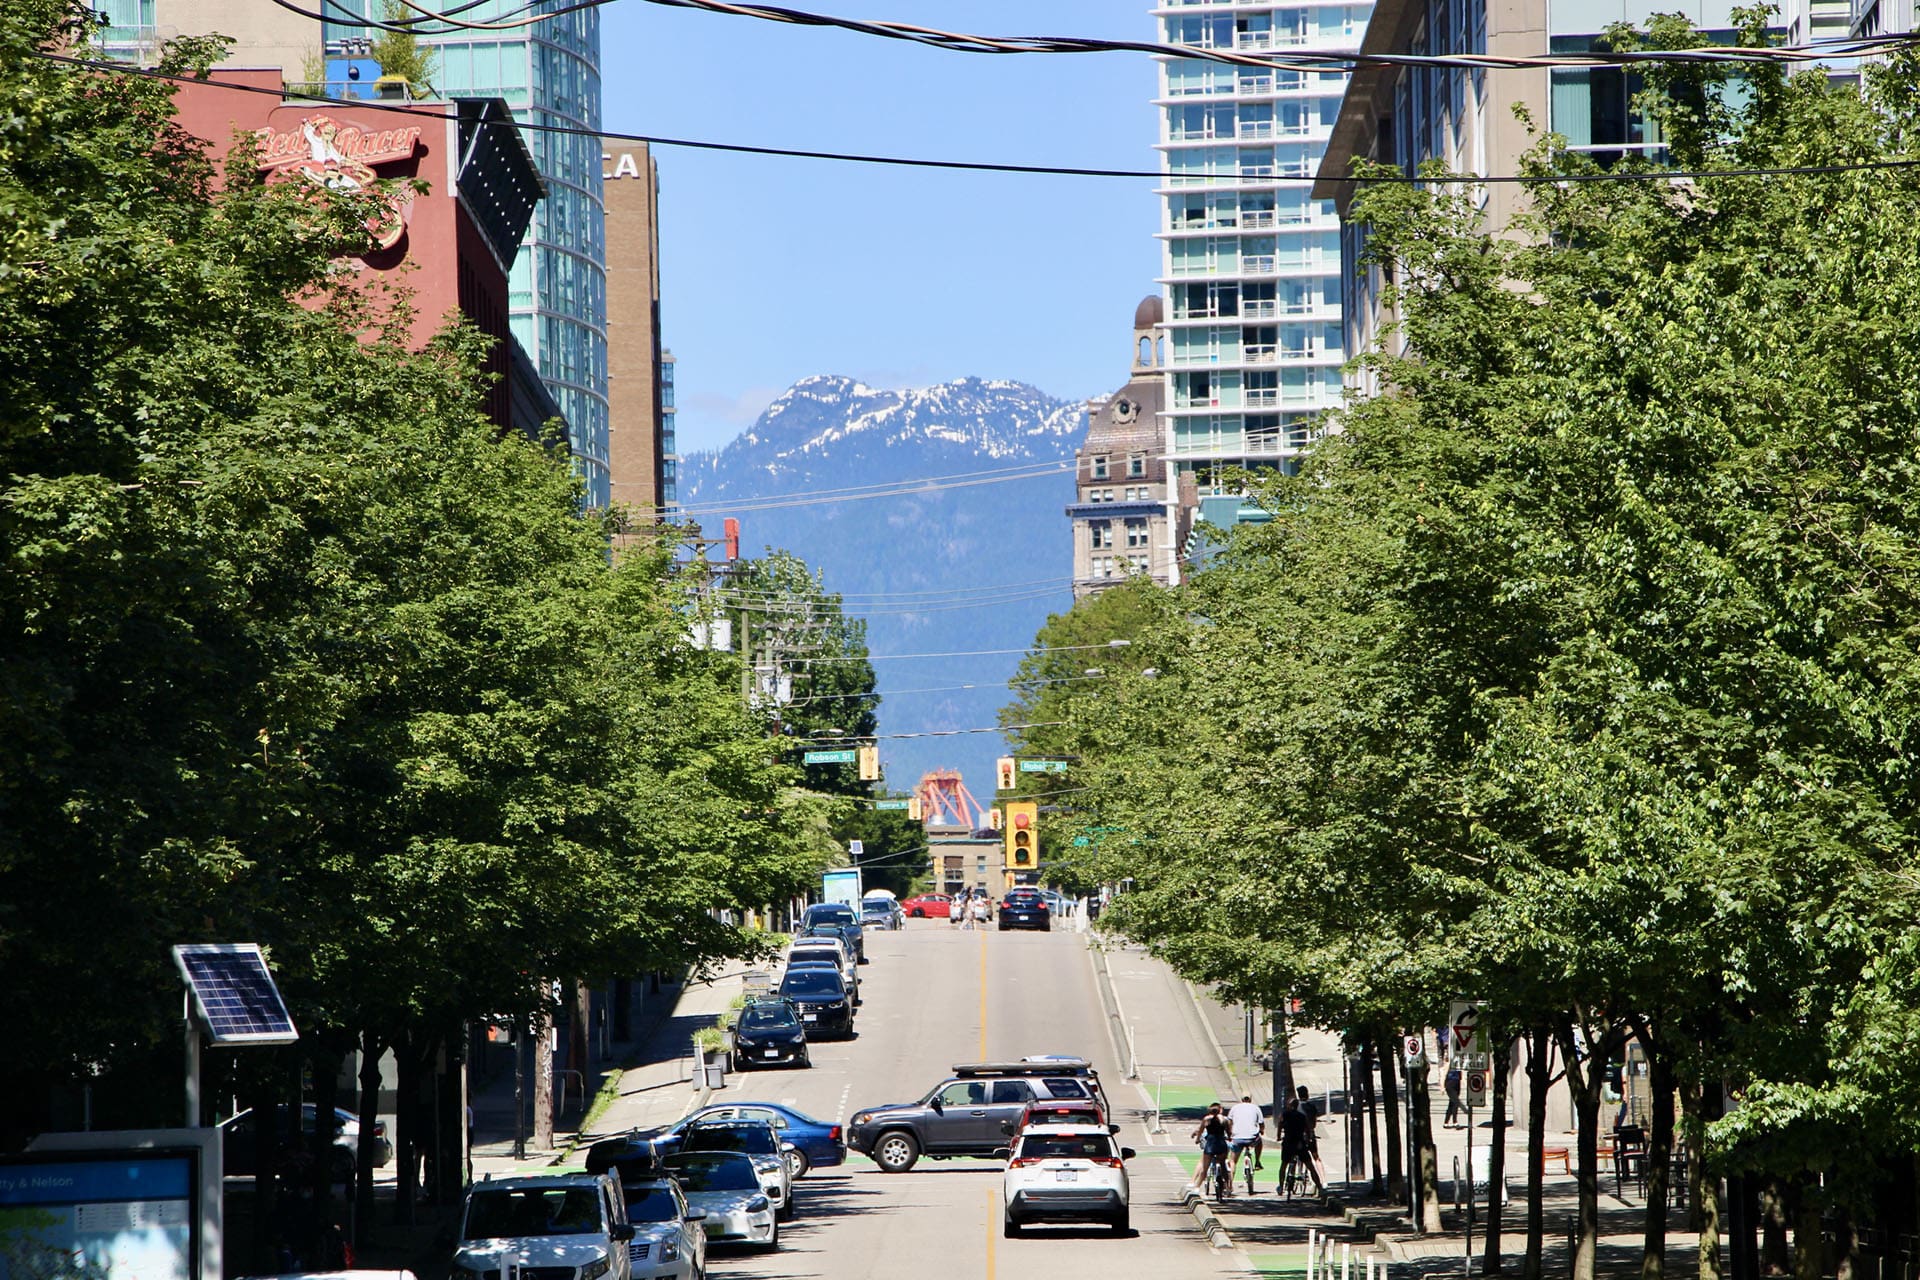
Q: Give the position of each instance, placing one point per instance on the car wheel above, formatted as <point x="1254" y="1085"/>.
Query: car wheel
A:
<point x="1009" y="1228"/>
<point x="1123" y="1223"/>
<point x="797" y="1164"/>
<point x="896" y="1151"/>
<point x="785" y="1212"/>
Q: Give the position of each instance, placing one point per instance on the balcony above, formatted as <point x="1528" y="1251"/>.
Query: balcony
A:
<point x="1255" y="130"/>
<point x="1254" y="40"/>
<point x="1259" y="309"/>
<point x="1261" y="398"/>
<point x="1260" y="355"/>
<point x="1257" y="264"/>
<point x="1256" y="85"/>
<point x="1257" y="220"/>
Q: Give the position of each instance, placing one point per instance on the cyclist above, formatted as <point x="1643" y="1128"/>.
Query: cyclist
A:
<point x="1244" y="1125"/>
<point x="1312" y="1113"/>
<point x="1211" y="1134"/>
<point x="1296" y="1130"/>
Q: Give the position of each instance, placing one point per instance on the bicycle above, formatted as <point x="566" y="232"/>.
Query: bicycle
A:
<point x="1245" y="1156"/>
<point x="1295" y="1175"/>
<point x="1222" y="1178"/>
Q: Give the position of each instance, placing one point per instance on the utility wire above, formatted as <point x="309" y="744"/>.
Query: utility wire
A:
<point x="967" y="42"/>
<point x="1213" y="180"/>
<point x="846" y="596"/>
<point x="1057" y="464"/>
<point x="898" y="489"/>
<point x="944" y="688"/>
<point x="929" y="733"/>
<point x="959" y="653"/>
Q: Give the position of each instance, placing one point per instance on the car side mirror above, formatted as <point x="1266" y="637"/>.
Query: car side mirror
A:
<point x="1128" y="1153"/>
<point x="788" y="1146"/>
<point x="937" y="1105"/>
<point x="623" y="1231"/>
<point x="696" y="1215"/>
<point x="1113" y="1128"/>
<point x="1003" y="1153"/>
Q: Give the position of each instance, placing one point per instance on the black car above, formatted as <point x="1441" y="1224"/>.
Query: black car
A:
<point x="1025" y="909"/>
<point x="837" y="913"/>
<point x="770" y="1033"/>
<point x="853" y="935"/>
<point x="821" y="999"/>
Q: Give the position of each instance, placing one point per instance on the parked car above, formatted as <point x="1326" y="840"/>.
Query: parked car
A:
<point x="928" y="906"/>
<point x="1070" y="1173"/>
<point x="962" y="1115"/>
<point x="805" y="1142"/>
<point x="755" y="1139"/>
<point x="853" y="935"/>
<point x="836" y="913"/>
<point x="237" y="1140"/>
<point x="669" y="1235"/>
<point x="769" y="1033"/>
<point x="821" y="996"/>
<point x="835" y="951"/>
<point x="727" y="1186"/>
<point x="559" y="1226"/>
<point x="881" y="913"/>
<point x="1024" y="909"/>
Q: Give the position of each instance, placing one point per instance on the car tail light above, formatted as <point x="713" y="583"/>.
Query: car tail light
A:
<point x="379" y="1128"/>
<point x="1025" y="1162"/>
<point x="1106" y="1162"/>
<point x="833" y="1134"/>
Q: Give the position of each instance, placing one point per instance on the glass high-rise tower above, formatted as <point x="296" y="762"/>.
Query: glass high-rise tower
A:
<point x="1251" y="263"/>
<point x="549" y="73"/>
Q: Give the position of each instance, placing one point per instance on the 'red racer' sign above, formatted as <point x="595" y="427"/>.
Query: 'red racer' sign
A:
<point x="340" y="156"/>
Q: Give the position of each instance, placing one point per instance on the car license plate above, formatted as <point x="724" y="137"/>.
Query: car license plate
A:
<point x="770" y="1053"/>
<point x="809" y="1017"/>
<point x="714" y="1229"/>
<point x="1066" y="1175"/>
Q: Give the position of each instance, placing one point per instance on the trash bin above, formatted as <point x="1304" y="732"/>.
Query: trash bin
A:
<point x="713" y="1074"/>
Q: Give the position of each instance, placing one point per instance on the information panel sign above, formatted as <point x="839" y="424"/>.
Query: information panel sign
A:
<point x="106" y="1213"/>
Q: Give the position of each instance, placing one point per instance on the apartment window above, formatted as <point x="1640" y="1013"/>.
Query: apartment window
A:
<point x="1136" y="533"/>
<point x="1136" y="465"/>
<point x="1099" y="465"/>
<point x="1102" y="533"/>
<point x="1103" y="566"/>
<point x="1137" y="564"/>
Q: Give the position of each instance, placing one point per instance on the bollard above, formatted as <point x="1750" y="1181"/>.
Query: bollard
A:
<point x="1346" y="1262"/>
<point x="1312" y="1238"/>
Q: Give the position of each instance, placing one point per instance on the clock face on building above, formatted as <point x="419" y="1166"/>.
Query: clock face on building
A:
<point x="1125" y="410"/>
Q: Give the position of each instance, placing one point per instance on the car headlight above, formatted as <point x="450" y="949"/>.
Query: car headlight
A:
<point x="863" y="1117"/>
<point x="597" y="1268"/>
<point x="669" y="1251"/>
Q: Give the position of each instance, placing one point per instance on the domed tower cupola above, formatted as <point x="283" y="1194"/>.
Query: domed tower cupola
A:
<point x="1149" y="345"/>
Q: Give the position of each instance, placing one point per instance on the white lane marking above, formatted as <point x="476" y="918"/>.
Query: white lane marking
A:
<point x="840" y="1111"/>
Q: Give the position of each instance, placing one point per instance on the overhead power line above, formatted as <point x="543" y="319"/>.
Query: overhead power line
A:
<point x="888" y="596"/>
<point x="899" y="489"/>
<point x="1057" y="464"/>
<point x="1292" y="59"/>
<point x="945" y="688"/>
<point x="929" y="733"/>
<point x="966" y="653"/>
<point x="1386" y="178"/>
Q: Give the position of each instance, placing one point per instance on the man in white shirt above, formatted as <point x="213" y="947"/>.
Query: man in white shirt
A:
<point x="1244" y="1121"/>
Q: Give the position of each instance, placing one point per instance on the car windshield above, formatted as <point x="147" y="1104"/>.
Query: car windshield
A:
<point x="752" y="1019"/>
<point x="1078" y="1146"/>
<point x="651" y="1204"/>
<point x="822" y="915"/>
<point x="532" y="1211"/>
<point x="812" y="982"/>
<point x="751" y="1139"/>
<point x="715" y="1173"/>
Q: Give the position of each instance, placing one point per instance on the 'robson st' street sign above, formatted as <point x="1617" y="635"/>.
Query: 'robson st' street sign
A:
<point x="845" y="756"/>
<point x="1043" y="766"/>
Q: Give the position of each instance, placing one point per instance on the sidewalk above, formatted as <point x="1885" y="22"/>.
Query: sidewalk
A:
<point x="1270" y="1235"/>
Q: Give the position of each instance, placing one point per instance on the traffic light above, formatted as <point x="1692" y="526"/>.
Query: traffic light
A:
<point x="993" y="819"/>
<point x="913" y="809"/>
<point x="1003" y="774"/>
<point x="869" y="758"/>
<point x="1023" y="835"/>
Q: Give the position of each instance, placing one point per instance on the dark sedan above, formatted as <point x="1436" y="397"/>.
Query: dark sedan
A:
<point x="822" y="1000"/>
<point x="768" y="1034"/>
<point x="1025" y="911"/>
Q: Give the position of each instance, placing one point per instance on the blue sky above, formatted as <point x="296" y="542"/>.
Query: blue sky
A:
<point x="773" y="269"/>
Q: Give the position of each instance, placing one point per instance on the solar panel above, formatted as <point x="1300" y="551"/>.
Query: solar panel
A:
<point x="234" y="993"/>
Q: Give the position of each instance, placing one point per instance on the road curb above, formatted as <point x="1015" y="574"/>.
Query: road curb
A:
<point x="1215" y="1230"/>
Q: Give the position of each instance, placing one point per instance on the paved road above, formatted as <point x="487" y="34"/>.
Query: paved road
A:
<point x="935" y="996"/>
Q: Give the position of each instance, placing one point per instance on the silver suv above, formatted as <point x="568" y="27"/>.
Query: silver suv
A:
<point x="963" y="1114"/>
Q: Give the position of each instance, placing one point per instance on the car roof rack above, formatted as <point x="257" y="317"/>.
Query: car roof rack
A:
<point x="1053" y="1067"/>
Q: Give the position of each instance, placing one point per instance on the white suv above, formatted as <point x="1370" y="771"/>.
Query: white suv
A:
<point x="1066" y="1173"/>
<point x="558" y="1227"/>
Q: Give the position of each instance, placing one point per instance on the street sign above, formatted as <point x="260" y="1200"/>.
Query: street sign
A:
<point x="1414" y="1050"/>
<point x="1043" y="766"/>
<point x="1463" y="1043"/>
<point x="891" y="804"/>
<point x="1473" y="1089"/>
<point x="846" y="756"/>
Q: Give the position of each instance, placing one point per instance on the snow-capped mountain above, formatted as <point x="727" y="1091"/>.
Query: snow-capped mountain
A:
<point x="966" y="548"/>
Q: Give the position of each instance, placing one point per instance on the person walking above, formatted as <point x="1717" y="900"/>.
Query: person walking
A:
<point x="1453" y="1097"/>
<point x="1211" y="1134"/>
<point x="957" y="908"/>
<point x="1244" y="1125"/>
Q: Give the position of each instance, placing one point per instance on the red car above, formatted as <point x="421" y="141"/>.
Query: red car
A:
<point x="936" y="906"/>
<point x="1058" y="1111"/>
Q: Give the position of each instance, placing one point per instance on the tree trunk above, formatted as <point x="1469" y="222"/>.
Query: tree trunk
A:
<point x="580" y="1039"/>
<point x="1390" y="1094"/>
<point x="1538" y="1038"/>
<point x="1373" y="1116"/>
<point x="266" y="1156"/>
<point x="1809" y="1249"/>
<point x="370" y="1050"/>
<point x="542" y="1079"/>
<point x="1496" y="1161"/>
<point x="406" y="1126"/>
<point x="1846" y="1248"/>
<point x="1653" y="1245"/>
<point x="325" y="1062"/>
<point x="1282" y="1057"/>
<point x="1774" y="1254"/>
<point x="1703" y="1190"/>
<point x="1584" y="1082"/>
<point x="1420" y="1108"/>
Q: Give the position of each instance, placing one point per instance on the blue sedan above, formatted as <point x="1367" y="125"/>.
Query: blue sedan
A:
<point x="815" y="1143"/>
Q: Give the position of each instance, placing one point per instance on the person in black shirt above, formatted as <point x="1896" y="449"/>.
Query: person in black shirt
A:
<point x="1296" y="1130"/>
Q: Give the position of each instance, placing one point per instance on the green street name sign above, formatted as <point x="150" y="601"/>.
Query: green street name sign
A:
<point x="846" y="756"/>
<point x="890" y="804"/>
<point x="1043" y="766"/>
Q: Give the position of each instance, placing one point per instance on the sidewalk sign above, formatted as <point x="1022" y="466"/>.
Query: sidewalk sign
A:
<point x="1414" y="1050"/>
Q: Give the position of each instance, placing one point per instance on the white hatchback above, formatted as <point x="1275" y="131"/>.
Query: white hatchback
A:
<point x="1066" y="1173"/>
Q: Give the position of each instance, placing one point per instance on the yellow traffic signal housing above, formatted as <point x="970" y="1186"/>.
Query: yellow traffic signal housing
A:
<point x="913" y="809"/>
<point x="993" y="819"/>
<point x="1003" y="779"/>
<point x="1022" y="833"/>
<point x="869" y="758"/>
